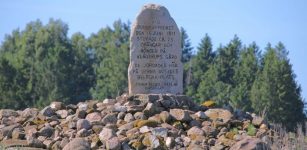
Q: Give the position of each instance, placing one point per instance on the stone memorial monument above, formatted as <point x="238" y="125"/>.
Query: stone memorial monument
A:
<point x="155" y="53"/>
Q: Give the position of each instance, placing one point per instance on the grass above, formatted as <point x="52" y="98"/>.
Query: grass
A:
<point x="283" y="140"/>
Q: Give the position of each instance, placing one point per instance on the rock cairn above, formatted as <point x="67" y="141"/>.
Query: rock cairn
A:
<point x="132" y="122"/>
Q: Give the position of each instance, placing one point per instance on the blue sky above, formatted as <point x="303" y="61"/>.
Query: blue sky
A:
<point x="261" y="21"/>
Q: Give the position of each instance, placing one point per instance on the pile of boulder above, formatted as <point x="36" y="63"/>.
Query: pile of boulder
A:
<point x="132" y="122"/>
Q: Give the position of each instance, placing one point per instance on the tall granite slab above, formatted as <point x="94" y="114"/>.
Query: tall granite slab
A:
<point x="155" y="53"/>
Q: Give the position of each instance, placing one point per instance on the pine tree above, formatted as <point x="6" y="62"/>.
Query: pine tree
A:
<point x="276" y="90"/>
<point x="41" y="65"/>
<point x="199" y="65"/>
<point x="227" y="59"/>
<point x="186" y="57"/>
<point x="245" y="73"/>
<point x="186" y="46"/>
<point x="111" y="48"/>
<point x="53" y="63"/>
<point x="83" y="76"/>
<point x="10" y="85"/>
<point x="217" y="82"/>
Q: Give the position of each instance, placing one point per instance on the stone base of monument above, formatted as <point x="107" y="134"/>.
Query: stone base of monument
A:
<point x="141" y="121"/>
<point x="166" y="101"/>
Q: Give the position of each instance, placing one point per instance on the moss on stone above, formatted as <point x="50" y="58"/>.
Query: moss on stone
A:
<point x="149" y="123"/>
<point x="137" y="145"/>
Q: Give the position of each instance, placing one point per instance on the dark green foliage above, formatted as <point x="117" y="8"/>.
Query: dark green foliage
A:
<point x="186" y="46"/>
<point x="245" y="73"/>
<point x="40" y="64"/>
<point x="234" y="75"/>
<point x="217" y="82"/>
<point x="198" y="66"/>
<point x="82" y="76"/>
<point x="276" y="90"/>
<point x="111" y="48"/>
<point x="186" y="57"/>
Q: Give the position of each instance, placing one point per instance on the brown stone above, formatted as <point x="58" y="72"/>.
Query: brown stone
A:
<point x="180" y="114"/>
<point x="93" y="117"/>
<point x="106" y="134"/>
<point x="14" y="143"/>
<point x="77" y="144"/>
<point x="113" y="144"/>
<point x="109" y="119"/>
<point x="7" y="113"/>
<point x="57" y="105"/>
<point x="249" y="143"/>
<point x="220" y="116"/>
<point x="195" y="131"/>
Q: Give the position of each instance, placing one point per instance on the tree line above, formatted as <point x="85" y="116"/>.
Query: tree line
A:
<point x="40" y="64"/>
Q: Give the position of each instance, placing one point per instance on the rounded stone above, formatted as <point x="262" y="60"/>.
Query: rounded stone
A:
<point x="77" y="144"/>
<point x="83" y="124"/>
<point x="94" y="117"/>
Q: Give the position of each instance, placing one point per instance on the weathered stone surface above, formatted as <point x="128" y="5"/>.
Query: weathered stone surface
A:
<point x="217" y="114"/>
<point x="151" y="141"/>
<point x="47" y="111"/>
<point x="109" y="119"/>
<point x="62" y="113"/>
<point x="83" y="124"/>
<point x="106" y="134"/>
<point x="93" y="117"/>
<point x="18" y="133"/>
<point x="139" y="115"/>
<point x="14" y="143"/>
<point x="81" y="114"/>
<point x="151" y="109"/>
<point x="210" y="131"/>
<point x="29" y="112"/>
<point x="194" y="146"/>
<point x="7" y="113"/>
<point x="194" y="131"/>
<point x="180" y="114"/>
<point x="218" y="147"/>
<point x="82" y="133"/>
<point x="201" y="115"/>
<point x="113" y="144"/>
<point x="159" y="131"/>
<point x="118" y="108"/>
<point x="165" y="116"/>
<point x="109" y="101"/>
<point x="129" y="117"/>
<point x="56" y="105"/>
<point x="48" y="143"/>
<point x="144" y="129"/>
<point x="169" y="142"/>
<point x="8" y="130"/>
<point x="249" y="143"/>
<point x="127" y="126"/>
<point x="82" y="106"/>
<point x="46" y="131"/>
<point x="77" y="144"/>
<point x="33" y="142"/>
<point x="155" y="53"/>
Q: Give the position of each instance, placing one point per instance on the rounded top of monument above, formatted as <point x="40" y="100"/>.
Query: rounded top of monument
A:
<point x="155" y="7"/>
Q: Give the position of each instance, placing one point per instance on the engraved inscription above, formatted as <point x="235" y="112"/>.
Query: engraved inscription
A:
<point x="155" y="53"/>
